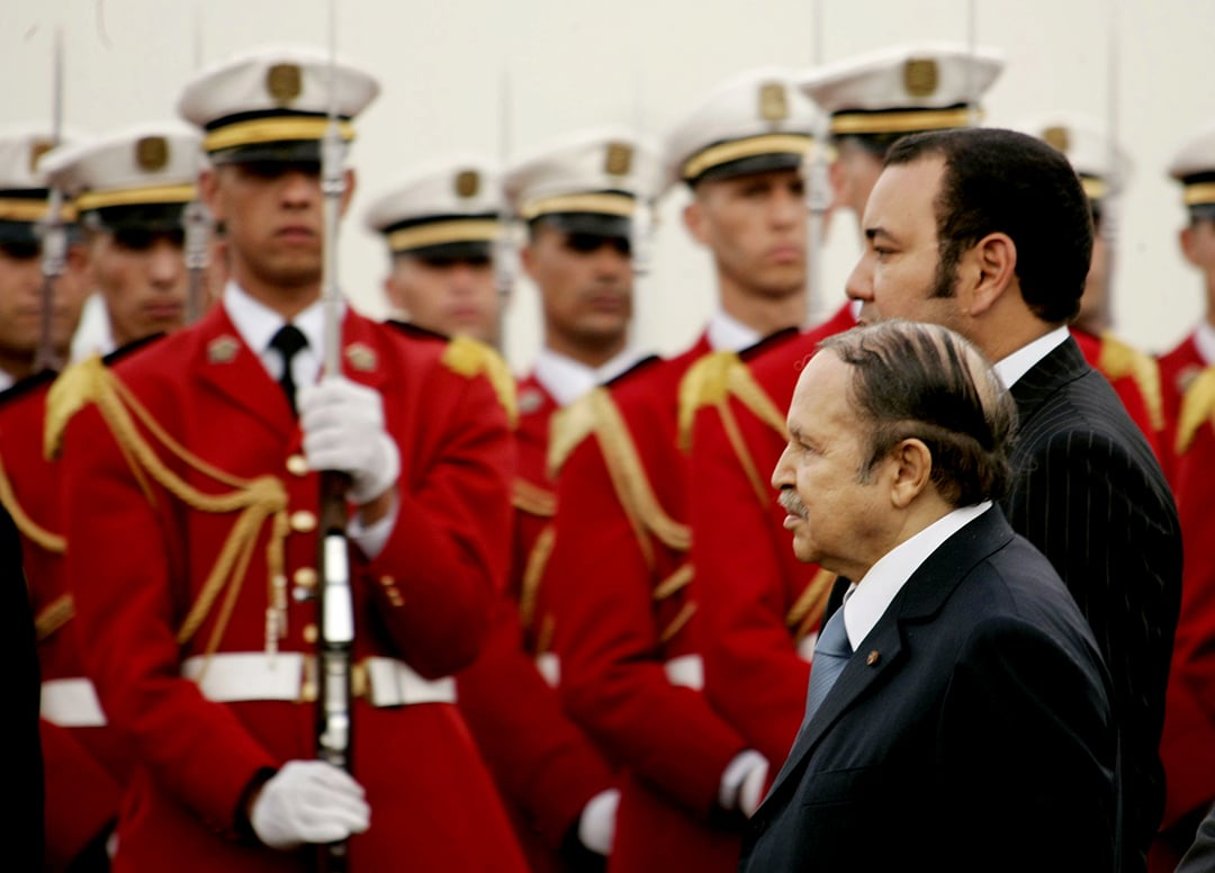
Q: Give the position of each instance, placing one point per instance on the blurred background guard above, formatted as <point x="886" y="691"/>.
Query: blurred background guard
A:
<point x="219" y="692"/>
<point x="630" y="666"/>
<point x="1104" y="171"/>
<point x="759" y="607"/>
<point x="130" y="189"/>
<point x="81" y="790"/>
<point x="441" y="224"/>
<point x="23" y="212"/>
<point x="1188" y="375"/>
<point x="579" y="197"/>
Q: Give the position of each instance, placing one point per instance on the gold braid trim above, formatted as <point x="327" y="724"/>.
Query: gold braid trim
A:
<point x="47" y="541"/>
<point x="53" y="616"/>
<point x="470" y="358"/>
<point x="809" y="607"/>
<point x="675" y="582"/>
<point x="1119" y="360"/>
<point x="1197" y="407"/>
<point x="678" y="624"/>
<point x="256" y="500"/>
<point x="567" y="428"/>
<point x="533" y="499"/>
<point x="533" y="573"/>
<point x="712" y="381"/>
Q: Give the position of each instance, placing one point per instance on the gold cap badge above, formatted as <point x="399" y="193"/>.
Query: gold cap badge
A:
<point x="361" y="356"/>
<point x="152" y="153"/>
<point x="619" y="159"/>
<point x="283" y="83"/>
<point x="1057" y="137"/>
<point x="222" y="349"/>
<point x="921" y="77"/>
<point x="468" y="183"/>
<point x="773" y="103"/>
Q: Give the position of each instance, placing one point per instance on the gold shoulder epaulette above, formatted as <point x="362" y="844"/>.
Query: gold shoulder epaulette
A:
<point x="73" y="389"/>
<point x="568" y="427"/>
<point x="707" y="383"/>
<point x="1197" y="406"/>
<point x="469" y="357"/>
<point x="1119" y="360"/>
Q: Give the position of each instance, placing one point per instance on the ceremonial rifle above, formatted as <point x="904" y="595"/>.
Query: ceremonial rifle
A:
<point x="54" y="234"/>
<point x="197" y="222"/>
<point x="336" y="638"/>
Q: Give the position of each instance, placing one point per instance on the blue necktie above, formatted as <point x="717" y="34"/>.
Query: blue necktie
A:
<point x="831" y="654"/>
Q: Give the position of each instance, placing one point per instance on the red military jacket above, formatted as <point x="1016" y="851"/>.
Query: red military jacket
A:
<point x="84" y="764"/>
<point x="760" y="606"/>
<point x="1187" y="746"/>
<point x="629" y="665"/>
<point x="1135" y="378"/>
<point x="545" y="767"/>
<point x="205" y="546"/>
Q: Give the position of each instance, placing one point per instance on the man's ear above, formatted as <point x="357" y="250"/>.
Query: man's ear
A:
<point x="911" y="471"/>
<point x="208" y="192"/>
<point x="991" y="269"/>
<point x="694" y="219"/>
<point x="1185" y="237"/>
<point x="348" y="190"/>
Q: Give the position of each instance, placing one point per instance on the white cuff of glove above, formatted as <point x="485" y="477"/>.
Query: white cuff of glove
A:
<point x="343" y="427"/>
<point x="742" y="783"/>
<point x="309" y="802"/>
<point x="597" y="826"/>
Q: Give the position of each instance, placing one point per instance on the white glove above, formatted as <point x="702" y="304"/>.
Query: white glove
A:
<point x="309" y="802"/>
<point x="597" y="826"/>
<point x="343" y="425"/>
<point x="742" y="783"/>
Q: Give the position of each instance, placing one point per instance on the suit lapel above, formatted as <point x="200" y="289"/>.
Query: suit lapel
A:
<point x="1063" y="364"/>
<point x="881" y="654"/>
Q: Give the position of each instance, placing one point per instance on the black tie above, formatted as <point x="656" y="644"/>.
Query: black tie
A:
<point x="287" y="342"/>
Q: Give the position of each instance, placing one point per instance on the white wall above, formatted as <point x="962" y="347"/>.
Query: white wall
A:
<point x="573" y="63"/>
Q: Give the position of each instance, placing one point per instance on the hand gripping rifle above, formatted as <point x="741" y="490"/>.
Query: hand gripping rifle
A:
<point x="54" y="234"/>
<point x="336" y="638"/>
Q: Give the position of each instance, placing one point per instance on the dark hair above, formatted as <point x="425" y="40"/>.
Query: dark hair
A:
<point x="1000" y="181"/>
<point x="925" y="382"/>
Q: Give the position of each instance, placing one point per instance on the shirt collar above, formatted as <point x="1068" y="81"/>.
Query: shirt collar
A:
<point x="257" y="323"/>
<point x="867" y="601"/>
<point x="1012" y="367"/>
<point x="1204" y="341"/>
<point x="729" y="334"/>
<point x="566" y="379"/>
<point x="6" y="380"/>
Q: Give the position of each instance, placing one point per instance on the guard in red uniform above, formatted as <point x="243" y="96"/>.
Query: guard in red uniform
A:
<point x="760" y="607"/>
<point x="81" y="791"/>
<point x="625" y="627"/>
<point x="196" y="588"/>
<point x="442" y="225"/>
<point x="1103" y="172"/>
<point x="1188" y="375"/>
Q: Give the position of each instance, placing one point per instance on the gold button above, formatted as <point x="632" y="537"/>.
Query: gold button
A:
<point x="387" y="581"/>
<point x="305" y="577"/>
<point x="395" y="599"/>
<point x="303" y="521"/>
<point x="308" y="691"/>
<point x="310" y="633"/>
<point x="297" y="465"/>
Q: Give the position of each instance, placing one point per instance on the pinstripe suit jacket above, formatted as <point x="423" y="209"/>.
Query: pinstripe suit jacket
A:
<point x="1088" y="492"/>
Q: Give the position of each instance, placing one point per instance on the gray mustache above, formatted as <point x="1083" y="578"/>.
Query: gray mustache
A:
<point x="792" y="503"/>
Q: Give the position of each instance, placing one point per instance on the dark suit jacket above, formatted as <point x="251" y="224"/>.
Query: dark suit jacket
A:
<point x="1090" y="495"/>
<point x="971" y="730"/>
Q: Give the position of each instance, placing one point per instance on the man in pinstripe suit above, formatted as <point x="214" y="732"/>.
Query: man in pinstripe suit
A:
<point x="988" y="232"/>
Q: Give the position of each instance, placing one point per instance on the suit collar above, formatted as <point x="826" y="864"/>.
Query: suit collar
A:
<point x="881" y="654"/>
<point x="1065" y="363"/>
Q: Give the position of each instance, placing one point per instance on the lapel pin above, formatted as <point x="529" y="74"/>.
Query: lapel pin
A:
<point x="222" y="349"/>
<point x="873" y="658"/>
<point x="361" y="356"/>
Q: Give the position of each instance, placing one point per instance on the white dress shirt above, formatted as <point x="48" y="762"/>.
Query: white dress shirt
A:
<point x="727" y="333"/>
<point x="1204" y="339"/>
<point x="6" y="380"/>
<point x="1014" y="366"/>
<point x="867" y="600"/>
<point x="93" y="336"/>
<point x="566" y="379"/>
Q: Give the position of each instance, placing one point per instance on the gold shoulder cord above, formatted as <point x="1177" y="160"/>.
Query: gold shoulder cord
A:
<point x="712" y="381"/>
<point x="470" y="358"/>
<point x="1119" y="360"/>
<point x="256" y="500"/>
<point x="1197" y="406"/>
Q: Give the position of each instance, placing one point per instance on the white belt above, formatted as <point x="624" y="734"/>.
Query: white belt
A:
<point x="686" y="671"/>
<point x="71" y="703"/>
<point x="549" y="666"/>
<point x="805" y="648"/>
<point x="230" y="677"/>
